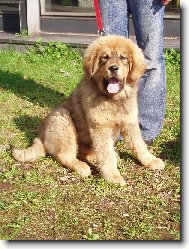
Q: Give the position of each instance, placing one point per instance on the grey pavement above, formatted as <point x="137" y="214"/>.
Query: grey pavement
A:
<point x="81" y="40"/>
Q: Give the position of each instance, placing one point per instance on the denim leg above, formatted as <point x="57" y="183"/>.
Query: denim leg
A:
<point x="148" y="22"/>
<point x="115" y="17"/>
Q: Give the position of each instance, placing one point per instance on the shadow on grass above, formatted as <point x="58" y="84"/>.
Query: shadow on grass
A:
<point x="30" y="90"/>
<point x="29" y="125"/>
<point x="126" y="155"/>
<point x="170" y="150"/>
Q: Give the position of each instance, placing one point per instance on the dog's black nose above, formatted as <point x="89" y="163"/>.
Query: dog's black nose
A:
<point x="113" y="68"/>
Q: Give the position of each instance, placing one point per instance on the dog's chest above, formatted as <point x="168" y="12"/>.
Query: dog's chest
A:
<point x="109" y="113"/>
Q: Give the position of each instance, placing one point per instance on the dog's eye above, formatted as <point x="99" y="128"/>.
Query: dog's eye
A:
<point x="123" y="58"/>
<point x="104" y="58"/>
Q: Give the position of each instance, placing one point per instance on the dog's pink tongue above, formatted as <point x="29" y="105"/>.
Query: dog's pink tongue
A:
<point x="113" y="87"/>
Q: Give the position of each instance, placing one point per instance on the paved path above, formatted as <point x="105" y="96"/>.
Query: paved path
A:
<point x="81" y="40"/>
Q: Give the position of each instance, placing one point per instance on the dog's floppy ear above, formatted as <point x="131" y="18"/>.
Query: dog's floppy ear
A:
<point x="91" y="60"/>
<point x="137" y="63"/>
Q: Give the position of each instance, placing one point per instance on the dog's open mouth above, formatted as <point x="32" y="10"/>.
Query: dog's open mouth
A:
<point x="113" y="85"/>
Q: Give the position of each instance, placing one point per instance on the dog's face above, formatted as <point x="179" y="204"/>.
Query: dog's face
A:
<point x="113" y="62"/>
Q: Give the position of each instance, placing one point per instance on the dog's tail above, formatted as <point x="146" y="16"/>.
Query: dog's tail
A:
<point x="30" y="154"/>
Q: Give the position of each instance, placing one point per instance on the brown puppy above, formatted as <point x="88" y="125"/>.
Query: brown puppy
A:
<point x="103" y="105"/>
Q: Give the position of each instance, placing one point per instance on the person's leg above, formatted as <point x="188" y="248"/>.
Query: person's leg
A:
<point x="148" y="22"/>
<point x="115" y="17"/>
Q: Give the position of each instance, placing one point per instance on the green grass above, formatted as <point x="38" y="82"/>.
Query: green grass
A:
<point x="43" y="200"/>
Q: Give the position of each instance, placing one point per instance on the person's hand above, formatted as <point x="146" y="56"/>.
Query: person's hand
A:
<point x="165" y="2"/>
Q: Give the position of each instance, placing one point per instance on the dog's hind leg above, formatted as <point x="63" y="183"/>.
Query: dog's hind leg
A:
<point x="74" y="164"/>
<point x="60" y="140"/>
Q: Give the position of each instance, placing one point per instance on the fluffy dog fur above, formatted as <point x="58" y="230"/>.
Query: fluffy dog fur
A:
<point x="104" y="105"/>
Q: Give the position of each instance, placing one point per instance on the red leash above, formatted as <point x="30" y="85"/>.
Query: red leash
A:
<point x="98" y="17"/>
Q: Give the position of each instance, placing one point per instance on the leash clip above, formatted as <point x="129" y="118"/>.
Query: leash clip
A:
<point x="101" y="32"/>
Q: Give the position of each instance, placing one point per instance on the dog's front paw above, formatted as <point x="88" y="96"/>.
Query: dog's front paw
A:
<point x="83" y="170"/>
<point x="114" y="177"/>
<point x="156" y="164"/>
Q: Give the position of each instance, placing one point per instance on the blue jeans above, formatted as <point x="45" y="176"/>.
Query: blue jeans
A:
<point x="147" y="18"/>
